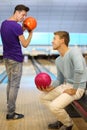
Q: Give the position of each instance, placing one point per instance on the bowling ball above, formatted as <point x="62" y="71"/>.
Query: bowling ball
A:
<point x="30" y="23"/>
<point x="42" y="80"/>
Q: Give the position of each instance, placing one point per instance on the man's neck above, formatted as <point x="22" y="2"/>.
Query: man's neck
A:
<point x="13" y="18"/>
<point x="63" y="50"/>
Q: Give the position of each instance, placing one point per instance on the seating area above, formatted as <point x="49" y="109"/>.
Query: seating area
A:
<point x="81" y="105"/>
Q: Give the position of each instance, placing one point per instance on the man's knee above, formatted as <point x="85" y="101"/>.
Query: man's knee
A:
<point x="54" y="108"/>
<point x="42" y="99"/>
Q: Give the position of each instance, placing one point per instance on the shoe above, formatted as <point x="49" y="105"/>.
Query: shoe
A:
<point x="55" y="125"/>
<point x="63" y="127"/>
<point x="14" y="116"/>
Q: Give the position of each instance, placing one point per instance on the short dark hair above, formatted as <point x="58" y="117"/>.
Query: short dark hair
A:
<point x="63" y="35"/>
<point x="21" y="7"/>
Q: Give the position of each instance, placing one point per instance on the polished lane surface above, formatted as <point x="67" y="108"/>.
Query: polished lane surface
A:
<point x="37" y="117"/>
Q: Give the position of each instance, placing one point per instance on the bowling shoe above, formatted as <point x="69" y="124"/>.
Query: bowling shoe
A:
<point x="65" y="127"/>
<point x="58" y="125"/>
<point x="14" y="116"/>
<point x="55" y="125"/>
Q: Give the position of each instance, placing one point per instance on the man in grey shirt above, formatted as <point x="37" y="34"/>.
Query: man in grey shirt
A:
<point x="70" y="83"/>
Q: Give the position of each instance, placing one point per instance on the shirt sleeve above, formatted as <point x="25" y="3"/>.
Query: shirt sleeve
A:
<point x="79" y="64"/>
<point x="18" y="30"/>
<point x="60" y="77"/>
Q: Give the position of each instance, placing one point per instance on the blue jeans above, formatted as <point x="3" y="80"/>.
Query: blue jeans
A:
<point x="14" y="72"/>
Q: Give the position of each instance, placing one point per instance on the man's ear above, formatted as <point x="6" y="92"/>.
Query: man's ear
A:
<point x="62" y="40"/>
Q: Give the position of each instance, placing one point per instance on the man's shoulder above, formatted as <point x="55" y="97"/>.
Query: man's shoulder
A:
<point x="10" y="22"/>
<point x="75" y="49"/>
<point x="4" y="21"/>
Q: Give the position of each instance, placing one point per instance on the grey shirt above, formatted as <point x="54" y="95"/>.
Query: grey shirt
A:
<point x="71" y="68"/>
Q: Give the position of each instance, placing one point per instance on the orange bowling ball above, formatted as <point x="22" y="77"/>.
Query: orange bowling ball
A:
<point x="42" y="80"/>
<point x="30" y="23"/>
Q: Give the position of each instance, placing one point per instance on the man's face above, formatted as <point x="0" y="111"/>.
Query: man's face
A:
<point x="56" y="42"/>
<point x="21" y="15"/>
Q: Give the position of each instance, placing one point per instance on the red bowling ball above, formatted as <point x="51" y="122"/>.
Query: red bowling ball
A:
<point x="30" y="23"/>
<point x="42" y="80"/>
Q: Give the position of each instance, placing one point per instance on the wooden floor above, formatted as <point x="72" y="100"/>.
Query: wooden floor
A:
<point x="37" y="117"/>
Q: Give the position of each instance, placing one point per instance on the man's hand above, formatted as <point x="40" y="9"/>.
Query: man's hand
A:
<point x="47" y="89"/>
<point x="70" y="91"/>
<point x="24" y="28"/>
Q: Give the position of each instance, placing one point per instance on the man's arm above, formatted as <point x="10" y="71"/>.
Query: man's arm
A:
<point x="79" y="68"/>
<point x="25" y="42"/>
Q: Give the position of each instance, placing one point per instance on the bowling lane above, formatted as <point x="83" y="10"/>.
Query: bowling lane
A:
<point x="49" y="65"/>
<point x="28" y="73"/>
<point x="37" y="117"/>
<point x="2" y="67"/>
